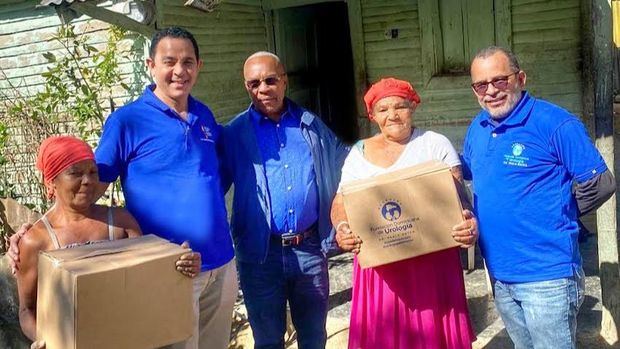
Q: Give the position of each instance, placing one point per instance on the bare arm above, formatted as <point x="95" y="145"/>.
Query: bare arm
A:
<point x="30" y="246"/>
<point x="457" y="173"/>
<point x="345" y="238"/>
<point x="465" y="232"/>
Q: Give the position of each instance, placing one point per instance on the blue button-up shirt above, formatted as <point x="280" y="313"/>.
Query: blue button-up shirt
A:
<point x="243" y="165"/>
<point x="291" y="180"/>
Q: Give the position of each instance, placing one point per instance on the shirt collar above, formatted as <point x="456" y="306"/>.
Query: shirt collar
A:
<point x="516" y="117"/>
<point x="291" y="110"/>
<point x="152" y="99"/>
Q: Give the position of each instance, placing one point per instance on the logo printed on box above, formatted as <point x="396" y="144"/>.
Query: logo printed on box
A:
<point x="391" y="211"/>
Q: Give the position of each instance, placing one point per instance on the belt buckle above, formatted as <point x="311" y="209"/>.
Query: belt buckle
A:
<point x="292" y="241"/>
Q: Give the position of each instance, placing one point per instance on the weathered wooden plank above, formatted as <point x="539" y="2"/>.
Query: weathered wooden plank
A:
<point x="371" y="4"/>
<point x="360" y="77"/>
<point x="542" y="6"/>
<point x="410" y="47"/>
<point x="503" y="23"/>
<point x="404" y="16"/>
<point x="562" y="14"/>
<point x="403" y="35"/>
<point x="431" y="41"/>
<point x="604" y="129"/>
<point x="544" y="36"/>
<point x="385" y="11"/>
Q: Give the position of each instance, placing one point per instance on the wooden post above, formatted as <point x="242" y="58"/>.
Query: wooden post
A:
<point x="356" y="30"/>
<point x="603" y="124"/>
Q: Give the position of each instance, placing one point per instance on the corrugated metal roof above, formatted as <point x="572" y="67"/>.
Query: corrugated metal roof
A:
<point x="58" y="2"/>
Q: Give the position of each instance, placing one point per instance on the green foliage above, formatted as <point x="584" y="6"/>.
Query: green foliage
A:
<point x="75" y="97"/>
<point x="76" y="82"/>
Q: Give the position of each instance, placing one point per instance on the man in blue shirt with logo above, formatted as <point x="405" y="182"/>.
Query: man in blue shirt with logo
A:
<point x="285" y="166"/>
<point x="534" y="172"/>
<point x="163" y="147"/>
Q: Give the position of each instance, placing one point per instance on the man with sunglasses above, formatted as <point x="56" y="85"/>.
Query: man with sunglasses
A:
<point x="534" y="172"/>
<point x="285" y="165"/>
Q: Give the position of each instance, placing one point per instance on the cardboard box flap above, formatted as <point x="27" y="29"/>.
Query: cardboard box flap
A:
<point x="422" y="169"/>
<point x="131" y="298"/>
<point x="119" y="253"/>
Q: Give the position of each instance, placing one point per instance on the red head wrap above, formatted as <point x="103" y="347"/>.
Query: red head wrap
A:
<point x="59" y="152"/>
<point x="389" y="87"/>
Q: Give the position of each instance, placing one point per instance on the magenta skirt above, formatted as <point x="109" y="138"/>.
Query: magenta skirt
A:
<point x="416" y="303"/>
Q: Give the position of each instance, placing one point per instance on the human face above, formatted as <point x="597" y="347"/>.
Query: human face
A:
<point x="393" y="116"/>
<point x="265" y="81"/>
<point x="75" y="186"/>
<point x="174" y="69"/>
<point x="497" y="102"/>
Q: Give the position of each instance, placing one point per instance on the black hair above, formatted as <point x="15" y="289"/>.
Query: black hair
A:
<point x="176" y="33"/>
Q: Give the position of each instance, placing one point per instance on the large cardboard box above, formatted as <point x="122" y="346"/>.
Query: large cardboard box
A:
<point x="403" y="214"/>
<point x="114" y="294"/>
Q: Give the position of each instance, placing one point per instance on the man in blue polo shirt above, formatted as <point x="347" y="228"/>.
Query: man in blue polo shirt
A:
<point x="285" y="166"/>
<point x="534" y="172"/>
<point x="163" y="147"/>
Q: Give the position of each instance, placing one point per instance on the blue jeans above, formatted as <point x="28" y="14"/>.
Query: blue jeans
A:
<point x="297" y="274"/>
<point x="541" y="314"/>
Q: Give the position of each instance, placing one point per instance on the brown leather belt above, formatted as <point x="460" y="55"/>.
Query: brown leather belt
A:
<point x="295" y="239"/>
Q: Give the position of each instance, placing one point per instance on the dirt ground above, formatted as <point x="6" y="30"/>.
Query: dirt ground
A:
<point x="487" y="324"/>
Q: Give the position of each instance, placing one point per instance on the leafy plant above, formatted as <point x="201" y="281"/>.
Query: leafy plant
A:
<point x="78" y="85"/>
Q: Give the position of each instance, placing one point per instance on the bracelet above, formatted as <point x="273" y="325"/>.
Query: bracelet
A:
<point x="340" y="224"/>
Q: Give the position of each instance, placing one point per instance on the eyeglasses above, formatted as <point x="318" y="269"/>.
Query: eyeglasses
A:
<point x="269" y="81"/>
<point x="500" y="83"/>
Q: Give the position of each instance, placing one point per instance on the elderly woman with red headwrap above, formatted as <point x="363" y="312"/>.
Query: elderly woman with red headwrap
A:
<point x="418" y="302"/>
<point x="70" y="177"/>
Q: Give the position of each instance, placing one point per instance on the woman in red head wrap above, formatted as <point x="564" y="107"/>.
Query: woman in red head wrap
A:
<point x="417" y="303"/>
<point x="70" y="177"/>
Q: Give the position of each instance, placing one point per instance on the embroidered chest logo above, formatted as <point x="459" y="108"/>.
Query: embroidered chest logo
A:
<point x="517" y="157"/>
<point x="206" y="133"/>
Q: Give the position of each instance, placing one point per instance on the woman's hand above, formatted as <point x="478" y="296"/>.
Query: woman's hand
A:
<point x="189" y="263"/>
<point x="466" y="232"/>
<point x="346" y="240"/>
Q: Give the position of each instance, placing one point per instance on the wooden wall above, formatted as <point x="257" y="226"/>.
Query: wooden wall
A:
<point x="546" y="37"/>
<point x="25" y="31"/>
<point x="226" y="37"/>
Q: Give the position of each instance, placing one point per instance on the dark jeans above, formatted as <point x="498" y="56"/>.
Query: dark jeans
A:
<point x="297" y="274"/>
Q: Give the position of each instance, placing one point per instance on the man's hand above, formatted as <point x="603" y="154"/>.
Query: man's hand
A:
<point x="466" y="232"/>
<point x="13" y="246"/>
<point x="189" y="263"/>
<point x="346" y="240"/>
<point x="37" y="345"/>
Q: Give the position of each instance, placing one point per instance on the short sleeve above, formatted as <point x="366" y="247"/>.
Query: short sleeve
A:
<point x="443" y="151"/>
<point x="466" y="157"/>
<point x="576" y="152"/>
<point x="110" y="157"/>
<point x="350" y="169"/>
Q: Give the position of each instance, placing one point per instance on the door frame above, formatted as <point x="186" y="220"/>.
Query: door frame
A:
<point x="354" y="12"/>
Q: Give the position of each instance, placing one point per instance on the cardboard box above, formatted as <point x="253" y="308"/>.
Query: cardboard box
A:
<point x="403" y="214"/>
<point x="114" y="294"/>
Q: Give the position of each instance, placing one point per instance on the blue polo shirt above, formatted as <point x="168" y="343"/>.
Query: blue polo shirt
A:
<point x="169" y="173"/>
<point x="288" y="164"/>
<point x="522" y="170"/>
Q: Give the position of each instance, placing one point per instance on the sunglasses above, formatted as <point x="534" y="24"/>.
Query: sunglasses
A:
<point x="500" y="83"/>
<point x="269" y="81"/>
